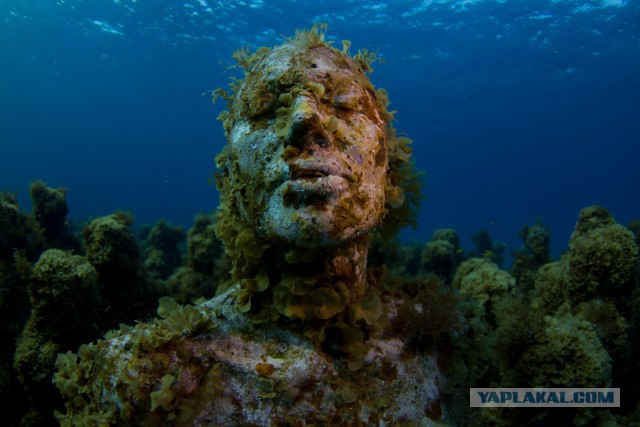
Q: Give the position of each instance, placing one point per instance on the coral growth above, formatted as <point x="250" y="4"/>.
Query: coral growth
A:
<point x="115" y="254"/>
<point x="18" y="230"/>
<point x="21" y="241"/>
<point x="443" y="254"/>
<point x="481" y="280"/>
<point x="602" y="256"/>
<point x="50" y="211"/>
<point x="487" y="248"/>
<point x="572" y="329"/>
<point x="535" y="253"/>
<point x="550" y="287"/>
<point x="205" y="267"/>
<point x="162" y="252"/>
<point x="63" y="292"/>
<point x="574" y="341"/>
<point x="53" y="300"/>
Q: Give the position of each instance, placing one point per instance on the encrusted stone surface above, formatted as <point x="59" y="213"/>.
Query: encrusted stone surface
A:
<point x="271" y="376"/>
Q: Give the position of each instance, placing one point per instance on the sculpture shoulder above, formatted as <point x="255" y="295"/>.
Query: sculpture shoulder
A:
<point x="209" y="365"/>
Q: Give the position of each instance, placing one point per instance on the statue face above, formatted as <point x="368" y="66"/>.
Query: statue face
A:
<point x="308" y="152"/>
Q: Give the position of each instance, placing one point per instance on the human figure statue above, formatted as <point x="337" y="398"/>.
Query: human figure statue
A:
<point x="310" y="162"/>
<point x="302" y="332"/>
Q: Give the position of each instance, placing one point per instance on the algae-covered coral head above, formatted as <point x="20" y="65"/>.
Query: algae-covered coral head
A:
<point x="307" y="155"/>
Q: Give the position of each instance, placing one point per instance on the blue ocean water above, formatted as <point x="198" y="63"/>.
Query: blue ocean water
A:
<point x="519" y="109"/>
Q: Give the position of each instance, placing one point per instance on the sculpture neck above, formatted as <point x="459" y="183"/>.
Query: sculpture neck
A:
<point x="320" y="283"/>
<point x="347" y="263"/>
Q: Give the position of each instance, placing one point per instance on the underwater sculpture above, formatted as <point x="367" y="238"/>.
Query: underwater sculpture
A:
<point x="312" y="160"/>
<point x="303" y="332"/>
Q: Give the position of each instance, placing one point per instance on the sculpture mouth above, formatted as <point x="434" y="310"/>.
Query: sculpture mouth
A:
<point x="307" y="174"/>
<point x="313" y="170"/>
<point x="312" y="183"/>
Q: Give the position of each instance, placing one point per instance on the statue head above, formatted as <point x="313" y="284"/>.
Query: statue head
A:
<point x="312" y="165"/>
<point x="311" y="152"/>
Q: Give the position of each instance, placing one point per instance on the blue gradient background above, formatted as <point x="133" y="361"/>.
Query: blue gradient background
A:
<point x="519" y="110"/>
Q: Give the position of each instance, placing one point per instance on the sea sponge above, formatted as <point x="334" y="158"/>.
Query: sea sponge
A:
<point x="162" y="253"/>
<point x="65" y="300"/>
<point x="111" y="246"/>
<point x="64" y="295"/>
<point x="203" y="247"/>
<point x="537" y="242"/>
<point x="427" y="315"/>
<point x="114" y="252"/>
<point x="206" y="264"/>
<point x="442" y="254"/>
<point x="517" y="328"/>
<point x="487" y="248"/>
<point x="534" y="253"/>
<point x="566" y="353"/>
<point x="592" y="218"/>
<point x="602" y="256"/>
<point x="49" y="209"/>
<point x="483" y="281"/>
<point x="17" y="230"/>
<point x="610" y="326"/>
<point x="550" y="287"/>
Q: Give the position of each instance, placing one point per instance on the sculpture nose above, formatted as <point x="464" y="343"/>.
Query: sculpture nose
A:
<point x="306" y="128"/>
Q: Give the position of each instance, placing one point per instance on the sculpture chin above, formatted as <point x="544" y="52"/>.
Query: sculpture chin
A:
<point x="302" y="213"/>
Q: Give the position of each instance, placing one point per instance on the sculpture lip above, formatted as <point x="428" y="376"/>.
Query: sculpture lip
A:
<point x="305" y="169"/>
